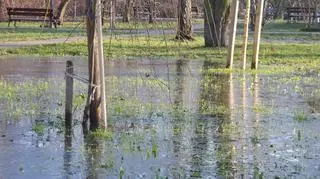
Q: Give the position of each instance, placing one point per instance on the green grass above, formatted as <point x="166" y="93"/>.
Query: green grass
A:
<point x="271" y="55"/>
<point x="32" y="31"/>
<point x="283" y="26"/>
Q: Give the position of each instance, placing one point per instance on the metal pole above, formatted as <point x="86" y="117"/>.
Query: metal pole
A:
<point x="235" y="5"/>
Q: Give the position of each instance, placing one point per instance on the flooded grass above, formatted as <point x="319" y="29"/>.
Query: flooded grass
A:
<point x="167" y="119"/>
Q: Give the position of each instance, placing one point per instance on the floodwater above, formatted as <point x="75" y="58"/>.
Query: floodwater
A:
<point x="169" y="119"/>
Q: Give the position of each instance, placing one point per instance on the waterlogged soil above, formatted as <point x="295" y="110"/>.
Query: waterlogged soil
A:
<point x="167" y="119"/>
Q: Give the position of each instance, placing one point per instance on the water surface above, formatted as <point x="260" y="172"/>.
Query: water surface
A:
<point x="170" y="118"/>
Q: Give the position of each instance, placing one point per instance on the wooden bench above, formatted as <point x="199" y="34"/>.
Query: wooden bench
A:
<point x="141" y="10"/>
<point x="300" y="13"/>
<point x="196" y="12"/>
<point x="31" y="14"/>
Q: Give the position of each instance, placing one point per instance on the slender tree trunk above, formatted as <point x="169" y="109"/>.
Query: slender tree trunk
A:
<point x="216" y="22"/>
<point x="309" y="15"/>
<point x="184" y="31"/>
<point x="253" y="14"/>
<point x="151" y="11"/>
<point x="61" y="10"/>
<point x="233" y="31"/>
<point x="1" y="10"/>
<point x="245" y="35"/>
<point x="112" y="14"/>
<point x="257" y="34"/>
<point x="127" y="11"/>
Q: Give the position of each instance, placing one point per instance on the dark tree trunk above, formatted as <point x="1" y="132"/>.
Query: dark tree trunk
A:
<point x="151" y="7"/>
<point x="127" y="10"/>
<point x="112" y="14"/>
<point x="61" y="10"/>
<point x="216" y="22"/>
<point x="253" y="14"/>
<point x="184" y="31"/>
<point x="1" y="10"/>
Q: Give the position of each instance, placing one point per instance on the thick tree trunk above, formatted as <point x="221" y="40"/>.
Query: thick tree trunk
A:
<point x="127" y="11"/>
<point x="94" y="93"/>
<point x="61" y="10"/>
<point x="216" y="22"/>
<point x="184" y="31"/>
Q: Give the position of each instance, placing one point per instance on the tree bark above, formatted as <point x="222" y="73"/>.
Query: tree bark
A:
<point x="94" y="92"/>
<point x="245" y="35"/>
<point x="1" y="10"/>
<point x="112" y="14"/>
<point x="216" y="22"/>
<point x="151" y="8"/>
<point x="61" y="10"/>
<point x="184" y="31"/>
<point x="127" y="11"/>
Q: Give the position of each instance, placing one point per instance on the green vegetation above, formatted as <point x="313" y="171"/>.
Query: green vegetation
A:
<point x="300" y="116"/>
<point x="101" y="134"/>
<point x="272" y="56"/>
<point x="32" y="31"/>
<point x="39" y="128"/>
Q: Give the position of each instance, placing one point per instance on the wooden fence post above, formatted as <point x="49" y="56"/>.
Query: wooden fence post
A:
<point x="69" y="96"/>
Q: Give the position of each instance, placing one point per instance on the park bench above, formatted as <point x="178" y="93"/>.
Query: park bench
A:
<point x="195" y="11"/>
<point x="141" y="11"/>
<point x="300" y="13"/>
<point x="31" y="14"/>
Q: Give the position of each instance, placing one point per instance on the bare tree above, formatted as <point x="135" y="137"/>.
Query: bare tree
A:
<point x="184" y="31"/>
<point x="216" y="22"/>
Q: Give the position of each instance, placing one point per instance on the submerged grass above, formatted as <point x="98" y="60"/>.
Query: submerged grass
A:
<point x="101" y="134"/>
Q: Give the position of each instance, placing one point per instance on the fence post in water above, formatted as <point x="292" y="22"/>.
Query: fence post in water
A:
<point x="69" y="96"/>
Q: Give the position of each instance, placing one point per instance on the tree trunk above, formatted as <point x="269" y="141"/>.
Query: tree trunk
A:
<point x="184" y="31"/>
<point x="61" y="10"/>
<point x="1" y="10"/>
<point x="94" y="92"/>
<point x="112" y="14"/>
<point x="216" y="22"/>
<point x="245" y="35"/>
<point x="253" y="14"/>
<point x="151" y="8"/>
<point x="127" y="11"/>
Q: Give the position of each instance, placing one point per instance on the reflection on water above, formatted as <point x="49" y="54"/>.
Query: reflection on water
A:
<point x="175" y="119"/>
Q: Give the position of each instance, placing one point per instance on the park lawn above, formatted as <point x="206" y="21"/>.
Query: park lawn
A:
<point x="271" y="54"/>
<point x="32" y="31"/>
